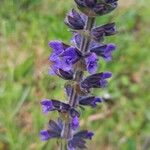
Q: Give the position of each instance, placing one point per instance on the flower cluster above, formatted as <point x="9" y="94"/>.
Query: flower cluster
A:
<point x="69" y="62"/>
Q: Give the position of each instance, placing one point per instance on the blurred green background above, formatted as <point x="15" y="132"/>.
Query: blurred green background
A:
<point x="26" y="27"/>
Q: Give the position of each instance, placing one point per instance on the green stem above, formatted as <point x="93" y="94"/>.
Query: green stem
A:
<point x="63" y="145"/>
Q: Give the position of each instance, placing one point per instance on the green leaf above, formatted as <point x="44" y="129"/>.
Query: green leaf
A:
<point x="22" y="100"/>
<point x="24" y="68"/>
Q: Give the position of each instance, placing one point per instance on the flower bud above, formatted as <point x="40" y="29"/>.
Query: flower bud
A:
<point x="78" y="140"/>
<point x="90" y="3"/>
<point x="96" y="7"/>
<point x="53" y="131"/>
<point x="90" y="101"/>
<point x="74" y="20"/>
<point x="96" y="80"/>
<point x="98" y="33"/>
<point x="67" y="75"/>
<point x="104" y="51"/>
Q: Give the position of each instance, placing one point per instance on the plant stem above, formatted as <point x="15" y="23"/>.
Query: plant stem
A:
<point x="86" y="40"/>
<point x="63" y="145"/>
<point x="84" y="48"/>
<point x="78" y="76"/>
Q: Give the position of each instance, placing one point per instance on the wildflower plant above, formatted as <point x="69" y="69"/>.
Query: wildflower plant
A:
<point x="71" y="62"/>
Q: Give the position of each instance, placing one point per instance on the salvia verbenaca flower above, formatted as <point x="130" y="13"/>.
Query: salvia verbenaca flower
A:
<point x="53" y="131"/>
<point x="90" y="101"/>
<point x="78" y="140"/>
<point x="75" y="21"/>
<point x="100" y="32"/>
<point x="69" y="62"/>
<point x="52" y="105"/>
<point x="96" y="7"/>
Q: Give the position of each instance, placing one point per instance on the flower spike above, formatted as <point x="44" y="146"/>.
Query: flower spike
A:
<point x="69" y="62"/>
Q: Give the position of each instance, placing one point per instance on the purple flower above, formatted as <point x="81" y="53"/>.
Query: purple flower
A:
<point x="47" y="106"/>
<point x="90" y="3"/>
<point x="90" y="101"/>
<point x="58" y="65"/>
<point x="57" y="47"/>
<point x="51" y="105"/>
<point x="78" y="140"/>
<point x="95" y="81"/>
<point x="98" y="33"/>
<point x="74" y="20"/>
<point x="110" y="29"/>
<point x="94" y="7"/>
<point x="84" y="134"/>
<point x="44" y="135"/>
<point x="53" y="131"/>
<point x="74" y="113"/>
<point x="56" y="61"/>
<point x="91" y="63"/>
<point x="67" y="75"/>
<point x="104" y="8"/>
<point x="75" y="123"/>
<point x="104" y="51"/>
<point x="70" y="62"/>
<point x="71" y="55"/>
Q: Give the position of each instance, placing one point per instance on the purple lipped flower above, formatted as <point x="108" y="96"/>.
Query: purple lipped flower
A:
<point x="57" y="48"/>
<point x="57" y="127"/>
<point x="78" y="140"/>
<point x="52" y="105"/>
<point x="60" y="106"/>
<point x="95" y="81"/>
<point x="98" y="33"/>
<point x="90" y="101"/>
<point x="75" y="123"/>
<point x="71" y="55"/>
<point x="56" y="61"/>
<point x="65" y="108"/>
<point x="104" y="51"/>
<point x="47" y="106"/>
<point x="110" y="29"/>
<point x="44" y="134"/>
<point x="74" y="20"/>
<point x="58" y="65"/>
<point x="53" y="131"/>
<point x="84" y="134"/>
<point x="91" y="63"/>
